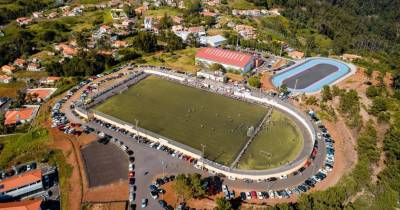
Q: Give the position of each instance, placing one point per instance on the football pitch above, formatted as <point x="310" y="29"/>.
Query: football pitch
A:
<point x="276" y="144"/>
<point x="188" y="115"/>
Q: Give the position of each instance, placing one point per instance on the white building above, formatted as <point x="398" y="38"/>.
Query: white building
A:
<point x="213" y="41"/>
<point x="216" y="75"/>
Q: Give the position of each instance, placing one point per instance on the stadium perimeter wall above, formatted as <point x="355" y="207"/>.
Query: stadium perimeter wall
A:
<point x="205" y="163"/>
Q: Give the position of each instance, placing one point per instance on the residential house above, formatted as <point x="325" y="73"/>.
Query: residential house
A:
<point x="8" y="69"/>
<point x="40" y="94"/>
<point x="350" y="57"/>
<point x="148" y="23"/>
<point x="209" y="14"/>
<point x="52" y="15"/>
<point x="22" y="21"/>
<point x="296" y="54"/>
<point x="37" y="14"/>
<point x="248" y="32"/>
<point x="49" y="80"/>
<point x="5" y="79"/>
<point x="20" y="63"/>
<point x="119" y="44"/>
<point x="33" y="67"/>
<point x="198" y="30"/>
<point x="67" y="50"/>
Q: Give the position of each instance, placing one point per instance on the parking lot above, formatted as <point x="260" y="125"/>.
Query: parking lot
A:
<point x="104" y="163"/>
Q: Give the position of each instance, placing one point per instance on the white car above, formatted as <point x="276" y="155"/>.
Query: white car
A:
<point x="224" y="188"/>
<point x="271" y="194"/>
<point x="260" y="196"/>
<point x="283" y="177"/>
<point x="248" y="196"/>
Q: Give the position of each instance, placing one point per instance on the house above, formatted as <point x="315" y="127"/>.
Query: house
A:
<point x="104" y="29"/>
<point x="24" y="21"/>
<point x="296" y="54"/>
<point x="248" y="32"/>
<point x="22" y="115"/>
<point x="209" y="14"/>
<point x="216" y="75"/>
<point x="119" y="44"/>
<point x="5" y="79"/>
<point x="37" y="14"/>
<point x="227" y="58"/>
<point x="67" y="50"/>
<point x="40" y="94"/>
<point x="350" y="57"/>
<point x="33" y="67"/>
<point x="8" y="69"/>
<point x="21" y="185"/>
<point x="20" y="63"/>
<point x="198" y="30"/>
<point x="22" y="205"/>
<point x="177" y="19"/>
<point x="148" y="23"/>
<point x="141" y="10"/>
<point x="213" y="41"/>
<point x="49" y="80"/>
<point x="52" y="15"/>
<point x="128" y="22"/>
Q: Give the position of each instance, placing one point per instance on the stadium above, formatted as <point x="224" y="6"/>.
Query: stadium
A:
<point x="235" y="134"/>
<point x="312" y="74"/>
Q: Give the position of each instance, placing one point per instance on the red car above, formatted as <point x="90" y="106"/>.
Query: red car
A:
<point x="253" y="194"/>
<point x="131" y="174"/>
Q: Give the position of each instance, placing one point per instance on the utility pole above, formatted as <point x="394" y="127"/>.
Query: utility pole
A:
<point x="163" y="168"/>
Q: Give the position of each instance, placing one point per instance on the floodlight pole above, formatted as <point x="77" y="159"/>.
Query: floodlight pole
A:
<point x="295" y="84"/>
<point x="203" y="146"/>
<point x="136" y="123"/>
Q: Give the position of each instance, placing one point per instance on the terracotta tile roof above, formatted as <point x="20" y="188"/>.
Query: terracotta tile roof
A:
<point x="53" y="78"/>
<point x="229" y="57"/>
<point x="22" y="205"/>
<point x="13" y="116"/>
<point x="41" y="93"/>
<point x="8" y="68"/>
<point x="20" y="62"/>
<point x="21" y="180"/>
<point x="5" y="77"/>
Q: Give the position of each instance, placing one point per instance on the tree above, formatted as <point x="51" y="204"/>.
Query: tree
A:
<point x="182" y="187"/>
<point x="196" y="185"/>
<point x="145" y="41"/>
<point x="326" y="93"/>
<point x="193" y="40"/>
<point x="379" y="104"/>
<point x="254" y="81"/>
<point x="284" y="89"/>
<point x="173" y="42"/>
<point x="166" y="22"/>
<point x="223" y="204"/>
<point x="193" y="6"/>
<point x="217" y="67"/>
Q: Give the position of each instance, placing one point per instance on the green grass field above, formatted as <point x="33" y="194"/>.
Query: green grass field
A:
<point x="277" y="144"/>
<point x="188" y="115"/>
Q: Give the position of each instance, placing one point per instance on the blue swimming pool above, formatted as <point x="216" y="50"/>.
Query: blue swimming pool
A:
<point x="312" y="75"/>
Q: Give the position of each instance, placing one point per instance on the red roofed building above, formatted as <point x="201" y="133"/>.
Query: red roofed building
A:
<point x="22" y="184"/>
<point x="22" y="205"/>
<point x="22" y="115"/>
<point x="227" y="58"/>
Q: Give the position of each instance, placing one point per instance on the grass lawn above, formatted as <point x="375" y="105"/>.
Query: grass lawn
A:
<point x="277" y="144"/>
<point x="31" y="74"/>
<point x="161" y="11"/>
<point x="182" y="60"/>
<point x="10" y="90"/>
<point x="188" y="115"/>
<point x="107" y="16"/>
<point x="241" y="4"/>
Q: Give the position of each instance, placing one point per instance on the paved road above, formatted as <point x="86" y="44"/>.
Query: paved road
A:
<point x="150" y="160"/>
